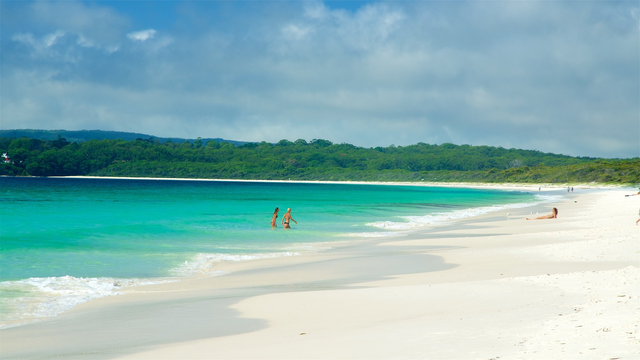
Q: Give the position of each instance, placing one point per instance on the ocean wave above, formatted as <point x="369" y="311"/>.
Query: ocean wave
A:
<point x="413" y="222"/>
<point x="546" y="198"/>
<point x="34" y="299"/>
<point x="39" y="298"/>
<point x="207" y="264"/>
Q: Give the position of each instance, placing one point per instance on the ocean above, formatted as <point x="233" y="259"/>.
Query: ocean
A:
<point x="65" y="241"/>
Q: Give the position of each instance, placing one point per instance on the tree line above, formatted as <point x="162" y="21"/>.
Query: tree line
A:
<point x="301" y="160"/>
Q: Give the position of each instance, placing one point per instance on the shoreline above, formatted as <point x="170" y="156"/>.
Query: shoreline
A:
<point x="470" y="185"/>
<point x="113" y="286"/>
<point x="271" y="302"/>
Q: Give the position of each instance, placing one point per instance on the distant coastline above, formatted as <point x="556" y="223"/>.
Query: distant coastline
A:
<point x="470" y="185"/>
<point x="86" y="135"/>
<point x="317" y="160"/>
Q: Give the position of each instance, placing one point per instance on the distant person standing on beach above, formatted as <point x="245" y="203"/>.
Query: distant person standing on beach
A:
<point x="273" y="219"/>
<point x="286" y="218"/>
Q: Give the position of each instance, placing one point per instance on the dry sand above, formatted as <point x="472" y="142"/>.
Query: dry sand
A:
<point x="494" y="286"/>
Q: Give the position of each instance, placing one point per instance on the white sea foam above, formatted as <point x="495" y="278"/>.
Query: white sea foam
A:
<point x="33" y="299"/>
<point x="413" y="222"/>
<point x="39" y="298"/>
<point x="207" y="264"/>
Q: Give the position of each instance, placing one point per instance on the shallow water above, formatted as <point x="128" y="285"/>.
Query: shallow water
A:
<point x="65" y="241"/>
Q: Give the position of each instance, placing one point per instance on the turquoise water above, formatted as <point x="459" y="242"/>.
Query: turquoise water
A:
<point x="71" y="240"/>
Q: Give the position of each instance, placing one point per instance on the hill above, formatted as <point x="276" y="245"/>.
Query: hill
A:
<point x="86" y="135"/>
<point x="301" y="160"/>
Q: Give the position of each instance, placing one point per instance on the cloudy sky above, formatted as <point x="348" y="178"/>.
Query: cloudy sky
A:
<point x="556" y="76"/>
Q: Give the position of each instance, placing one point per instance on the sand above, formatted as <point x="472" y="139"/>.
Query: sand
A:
<point x="489" y="287"/>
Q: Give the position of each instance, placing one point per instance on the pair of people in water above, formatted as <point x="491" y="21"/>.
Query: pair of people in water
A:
<point x="285" y="219"/>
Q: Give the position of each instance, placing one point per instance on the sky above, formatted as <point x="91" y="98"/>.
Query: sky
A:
<point x="554" y="76"/>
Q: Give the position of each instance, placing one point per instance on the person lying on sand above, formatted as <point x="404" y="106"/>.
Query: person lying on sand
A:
<point x="554" y="215"/>
<point x="286" y="218"/>
<point x="635" y="194"/>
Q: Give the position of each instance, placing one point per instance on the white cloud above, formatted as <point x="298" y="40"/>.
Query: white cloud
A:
<point x="50" y="39"/>
<point x="40" y="46"/>
<point x="101" y="24"/>
<point x="315" y="10"/>
<point x="141" y="35"/>
<point x="83" y="41"/>
<point x="54" y="47"/>
<point x="25" y="38"/>
<point x="294" y="32"/>
<point x="56" y="25"/>
<point x="553" y="76"/>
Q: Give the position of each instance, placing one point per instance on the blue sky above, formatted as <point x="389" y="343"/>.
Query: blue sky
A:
<point x="557" y="76"/>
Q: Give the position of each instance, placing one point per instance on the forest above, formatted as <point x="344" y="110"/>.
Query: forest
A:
<point x="301" y="160"/>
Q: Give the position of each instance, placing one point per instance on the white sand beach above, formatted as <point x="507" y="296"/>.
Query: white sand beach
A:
<point x="494" y="286"/>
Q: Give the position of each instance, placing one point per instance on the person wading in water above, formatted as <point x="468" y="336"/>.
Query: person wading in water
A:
<point x="286" y="218"/>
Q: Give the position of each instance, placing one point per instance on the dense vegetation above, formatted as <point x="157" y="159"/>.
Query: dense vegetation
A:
<point x="317" y="160"/>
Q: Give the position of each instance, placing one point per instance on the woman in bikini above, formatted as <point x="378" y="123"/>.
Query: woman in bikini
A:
<point x="554" y="215"/>
<point x="273" y="219"/>
<point x="286" y="218"/>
